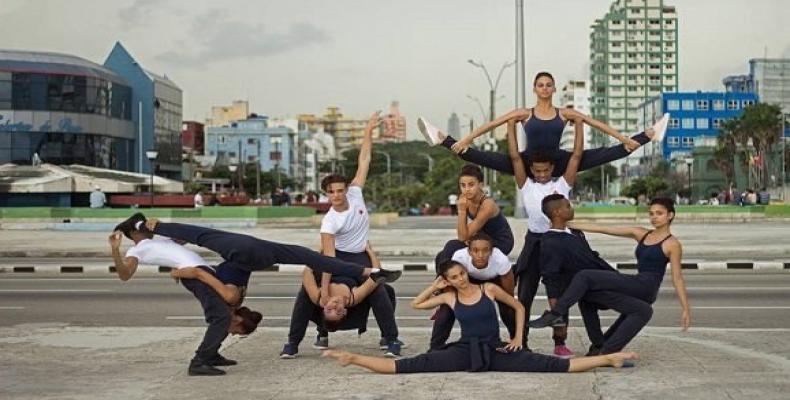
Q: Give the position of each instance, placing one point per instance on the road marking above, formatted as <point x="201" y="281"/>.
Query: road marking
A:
<point x="11" y="308"/>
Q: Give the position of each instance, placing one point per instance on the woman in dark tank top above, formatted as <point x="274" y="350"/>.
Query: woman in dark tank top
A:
<point x="655" y="248"/>
<point x="478" y="212"/>
<point x="479" y="348"/>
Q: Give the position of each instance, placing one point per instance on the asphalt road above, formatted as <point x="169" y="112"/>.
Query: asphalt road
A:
<point x="731" y="299"/>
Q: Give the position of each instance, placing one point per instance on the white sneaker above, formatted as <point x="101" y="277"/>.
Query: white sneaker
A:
<point x="430" y="132"/>
<point x="660" y="128"/>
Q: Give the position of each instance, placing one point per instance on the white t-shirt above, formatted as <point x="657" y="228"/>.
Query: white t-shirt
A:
<point x="498" y="264"/>
<point x="452" y="199"/>
<point x="350" y="227"/>
<point x="533" y="193"/>
<point x="198" y="200"/>
<point x="166" y="253"/>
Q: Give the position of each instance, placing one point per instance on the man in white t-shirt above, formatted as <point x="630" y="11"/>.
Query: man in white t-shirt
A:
<point x="345" y="227"/>
<point x="452" y="199"/>
<point x="221" y="318"/>
<point x="198" y="200"/>
<point x="532" y="190"/>
<point x="484" y="263"/>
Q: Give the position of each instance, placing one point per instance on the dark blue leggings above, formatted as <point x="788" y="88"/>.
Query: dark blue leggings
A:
<point x="255" y="254"/>
<point x="642" y="286"/>
<point x="634" y="315"/>
<point x="591" y="158"/>
<point x="457" y="357"/>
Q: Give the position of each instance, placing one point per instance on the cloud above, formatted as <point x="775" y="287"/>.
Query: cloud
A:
<point x="138" y="12"/>
<point x="216" y="37"/>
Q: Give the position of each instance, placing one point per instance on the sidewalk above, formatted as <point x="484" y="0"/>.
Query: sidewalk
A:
<point x="72" y="362"/>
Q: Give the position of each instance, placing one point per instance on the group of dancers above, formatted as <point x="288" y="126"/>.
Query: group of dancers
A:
<point x="474" y="276"/>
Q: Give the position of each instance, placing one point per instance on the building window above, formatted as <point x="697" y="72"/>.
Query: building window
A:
<point x="669" y="89"/>
<point x="617" y="44"/>
<point x="687" y="123"/>
<point x="673" y="105"/>
<point x="702" y="105"/>
<point x="688" y="141"/>
<point x="732" y="104"/>
<point x="674" y="123"/>
<point x="718" y="122"/>
<point x="702" y="123"/>
<point x="673" y="141"/>
<point x="747" y="103"/>
<point x="250" y="141"/>
<point x="718" y="105"/>
<point x="688" y="104"/>
<point x="616" y="22"/>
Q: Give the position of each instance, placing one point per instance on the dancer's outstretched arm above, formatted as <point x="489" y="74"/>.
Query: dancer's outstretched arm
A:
<point x="572" y="170"/>
<point x="519" y="169"/>
<point x="573" y="115"/>
<point x="633" y="232"/>
<point x="675" y="255"/>
<point x="310" y="285"/>
<point x="363" y="161"/>
<point x="518" y="114"/>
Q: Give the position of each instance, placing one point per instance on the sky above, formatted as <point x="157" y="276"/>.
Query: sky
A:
<point x="300" y="56"/>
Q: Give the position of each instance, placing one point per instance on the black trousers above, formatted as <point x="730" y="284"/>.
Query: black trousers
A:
<point x="253" y="253"/>
<point x="382" y="300"/>
<point x="528" y="274"/>
<point x="634" y="315"/>
<point x="444" y="318"/>
<point x="591" y="158"/>
<point x="459" y="357"/>
<point x="642" y="286"/>
<point x="218" y="318"/>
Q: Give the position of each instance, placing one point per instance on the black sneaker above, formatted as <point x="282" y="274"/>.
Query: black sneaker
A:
<point x="384" y="344"/>
<point x="289" y="351"/>
<point x="196" y="369"/>
<point x="220" y="361"/>
<point x="131" y="224"/>
<point x="321" y="342"/>
<point x="393" y="349"/>
<point x="385" y="275"/>
<point x="549" y="318"/>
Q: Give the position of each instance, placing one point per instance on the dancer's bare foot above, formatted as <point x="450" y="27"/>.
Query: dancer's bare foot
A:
<point x="617" y="359"/>
<point x="343" y="357"/>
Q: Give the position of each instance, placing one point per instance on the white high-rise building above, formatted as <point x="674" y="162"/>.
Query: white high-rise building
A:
<point x="633" y="57"/>
<point x="454" y="126"/>
<point x="576" y="96"/>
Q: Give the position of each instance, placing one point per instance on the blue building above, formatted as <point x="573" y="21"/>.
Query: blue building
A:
<point x="253" y="140"/>
<point x="694" y="116"/>
<point x="156" y="112"/>
<point x="62" y="109"/>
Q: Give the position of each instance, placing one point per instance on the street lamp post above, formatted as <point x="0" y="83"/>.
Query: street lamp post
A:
<point x="689" y="163"/>
<point x="232" y="168"/>
<point x="492" y="85"/>
<point x="151" y="155"/>
<point x="430" y="161"/>
<point x="389" y="160"/>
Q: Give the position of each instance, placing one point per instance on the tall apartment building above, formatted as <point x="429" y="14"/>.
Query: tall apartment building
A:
<point x="575" y="95"/>
<point x="633" y="57"/>
<point x="393" y="126"/>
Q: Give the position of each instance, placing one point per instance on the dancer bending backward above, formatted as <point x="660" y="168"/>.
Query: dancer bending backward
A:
<point x="479" y="348"/>
<point x="544" y="125"/>
<point x="345" y="227"/>
<point x="220" y="289"/>
<point x="480" y="213"/>
<point x="357" y="299"/>
<point x="484" y="264"/>
<point x="655" y="248"/>
<point x="532" y="191"/>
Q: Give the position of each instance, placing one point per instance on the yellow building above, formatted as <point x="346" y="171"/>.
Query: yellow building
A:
<point x="224" y="115"/>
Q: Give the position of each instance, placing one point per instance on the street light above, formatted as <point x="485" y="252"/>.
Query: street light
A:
<point x="492" y="85"/>
<point x="232" y="168"/>
<point x="389" y="160"/>
<point x="151" y="155"/>
<point x="689" y="163"/>
<point x="430" y="161"/>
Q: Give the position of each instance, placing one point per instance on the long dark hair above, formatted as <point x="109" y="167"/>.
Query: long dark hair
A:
<point x="445" y="266"/>
<point x="471" y="170"/>
<point x="541" y="75"/>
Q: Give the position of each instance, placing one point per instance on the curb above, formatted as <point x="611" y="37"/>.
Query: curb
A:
<point x="98" y="268"/>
